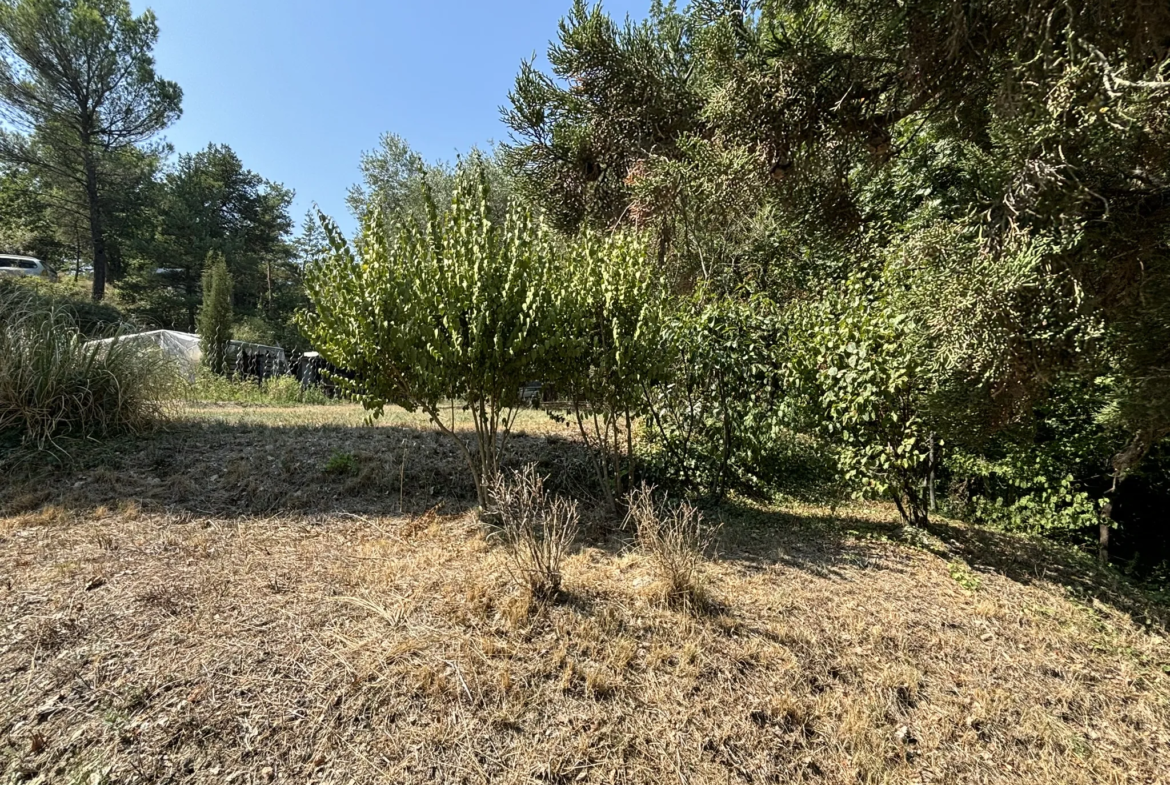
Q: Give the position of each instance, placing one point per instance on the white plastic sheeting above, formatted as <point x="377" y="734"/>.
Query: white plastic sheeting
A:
<point x="247" y="359"/>
<point x="183" y="348"/>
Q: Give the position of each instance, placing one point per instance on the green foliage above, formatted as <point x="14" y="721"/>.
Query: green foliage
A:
<point x="215" y="317"/>
<point x="274" y="391"/>
<point x="25" y="223"/>
<point x="54" y="384"/>
<point x="717" y="422"/>
<point x="78" y="84"/>
<point x="341" y="463"/>
<point x="610" y="324"/>
<point x="962" y="575"/>
<point x="856" y="368"/>
<point x="1005" y="163"/>
<point x="1026" y="492"/>
<point x="396" y="179"/>
<point x="93" y="320"/>
<point x="458" y="309"/>
<point x="210" y="203"/>
<point x="1047" y="474"/>
<point x="618" y="93"/>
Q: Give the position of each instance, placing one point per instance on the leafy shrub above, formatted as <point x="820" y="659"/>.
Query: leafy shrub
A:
<point x="859" y="375"/>
<point x="537" y="529"/>
<point x="458" y="309"/>
<point x="54" y="384"/>
<point x="718" y="423"/>
<point x="676" y="538"/>
<point x="1025" y="491"/>
<point x="1046" y="474"/>
<point x="609" y="327"/>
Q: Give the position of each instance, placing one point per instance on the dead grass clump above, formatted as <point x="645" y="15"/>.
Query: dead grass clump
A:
<point x="676" y="538"/>
<point x="537" y="529"/>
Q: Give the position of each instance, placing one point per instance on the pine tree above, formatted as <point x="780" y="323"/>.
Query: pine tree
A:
<point x="215" y="317"/>
<point x="78" y="88"/>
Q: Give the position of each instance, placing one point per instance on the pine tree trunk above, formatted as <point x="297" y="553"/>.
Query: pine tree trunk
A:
<point x="97" y="232"/>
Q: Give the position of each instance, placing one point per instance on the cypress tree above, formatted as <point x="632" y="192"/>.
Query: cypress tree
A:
<point x="215" y="317"/>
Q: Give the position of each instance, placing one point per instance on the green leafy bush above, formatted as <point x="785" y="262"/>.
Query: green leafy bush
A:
<point x="459" y="309"/>
<point x="54" y="384"/>
<point x="856" y="369"/>
<point x="609" y="325"/>
<point x="1026" y="492"/>
<point x="722" y="419"/>
<point x="1046" y="474"/>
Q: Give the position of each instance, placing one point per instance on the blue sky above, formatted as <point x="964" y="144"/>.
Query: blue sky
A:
<point x="299" y="89"/>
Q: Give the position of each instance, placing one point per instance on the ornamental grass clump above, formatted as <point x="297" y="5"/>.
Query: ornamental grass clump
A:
<point x="55" y="384"/>
<point x="676" y="538"/>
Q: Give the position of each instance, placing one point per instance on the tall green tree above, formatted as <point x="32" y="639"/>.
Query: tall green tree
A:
<point x="215" y="317"/>
<point x="1003" y="168"/>
<point x="210" y="202"/>
<point x="79" y="76"/>
<point x="311" y="244"/>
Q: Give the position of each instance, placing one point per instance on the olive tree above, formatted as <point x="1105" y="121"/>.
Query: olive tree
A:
<point x="456" y="309"/>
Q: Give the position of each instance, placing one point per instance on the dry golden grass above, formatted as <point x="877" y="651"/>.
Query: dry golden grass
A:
<point x="147" y="641"/>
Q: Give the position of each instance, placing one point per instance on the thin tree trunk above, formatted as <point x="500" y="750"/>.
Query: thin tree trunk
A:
<point x="933" y="464"/>
<point x="1103" y="540"/>
<point x="96" y="230"/>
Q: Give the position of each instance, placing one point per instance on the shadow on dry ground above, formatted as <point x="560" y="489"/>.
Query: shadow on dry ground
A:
<point x="316" y="462"/>
<point x="213" y="605"/>
<point x="245" y="466"/>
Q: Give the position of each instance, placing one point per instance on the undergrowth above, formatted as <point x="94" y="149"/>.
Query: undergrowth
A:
<point x="274" y="391"/>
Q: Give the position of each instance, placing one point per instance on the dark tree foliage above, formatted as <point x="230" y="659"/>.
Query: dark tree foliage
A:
<point x="211" y="203"/>
<point x="618" y="95"/>
<point x="215" y="315"/>
<point x="1004" y="166"/>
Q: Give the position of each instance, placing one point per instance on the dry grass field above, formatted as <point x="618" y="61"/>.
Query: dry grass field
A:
<point x="267" y="595"/>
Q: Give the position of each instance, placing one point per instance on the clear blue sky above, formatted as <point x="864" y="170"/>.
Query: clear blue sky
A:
<point x="299" y="89"/>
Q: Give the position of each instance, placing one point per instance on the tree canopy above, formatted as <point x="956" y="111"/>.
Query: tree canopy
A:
<point x="77" y="80"/>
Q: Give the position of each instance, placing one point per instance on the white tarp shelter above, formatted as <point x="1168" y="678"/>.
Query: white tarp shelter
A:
<point x="183" y="348"/>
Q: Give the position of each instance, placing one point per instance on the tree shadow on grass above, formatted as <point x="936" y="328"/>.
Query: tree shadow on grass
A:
<point x="814" y="540"/>
<point x="825" y="543"/>
<point x="217" y="469"/>
<point x="221" y="469"/>
<point x="1031" y="560"/>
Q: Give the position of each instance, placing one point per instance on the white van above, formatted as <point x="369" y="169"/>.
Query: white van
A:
<point x="20" y="266"/>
